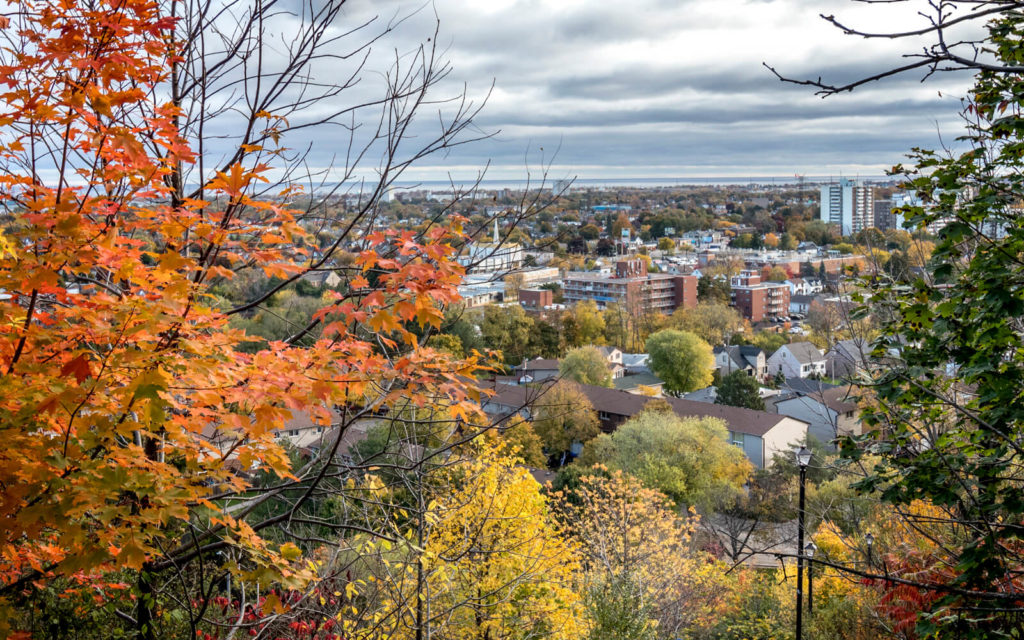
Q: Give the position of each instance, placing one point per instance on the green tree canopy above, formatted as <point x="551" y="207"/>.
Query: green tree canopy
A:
<point x="507" y="329"/>
<point x="586" y="365"/>
<point x="681" y="359"/>
<point x="739" y="390"/>
<point x="590" y="232"/>
<point x="714" y="289"/>
<point x="949" y="421"/>
<point x="447" y="343"/>
<point x="521" y="437"/>
<point x="688" y="459"/>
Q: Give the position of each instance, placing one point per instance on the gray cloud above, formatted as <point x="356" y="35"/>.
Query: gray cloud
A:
<point x="673" y="86"/>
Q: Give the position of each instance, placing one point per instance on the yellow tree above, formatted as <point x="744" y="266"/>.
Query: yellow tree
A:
<point x="585" y="324"/>
<point x="563" y="416"/>
<point x="586" y="365"/>
<point x="520" y="440"/>
<point x="486" y="560"/>
<point x="640" y="558"/>
<point x="682" y="359"/>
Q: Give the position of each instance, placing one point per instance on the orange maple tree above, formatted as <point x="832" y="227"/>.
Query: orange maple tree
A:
<point x="128" y="413"/>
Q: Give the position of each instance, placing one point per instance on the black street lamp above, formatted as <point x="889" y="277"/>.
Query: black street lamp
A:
<point x="803" y="458"/>
<point x="870" y="541"/>
<point x="809" y="552"/>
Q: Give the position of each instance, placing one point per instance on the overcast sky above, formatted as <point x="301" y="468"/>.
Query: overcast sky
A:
<point x="673" y="88"/>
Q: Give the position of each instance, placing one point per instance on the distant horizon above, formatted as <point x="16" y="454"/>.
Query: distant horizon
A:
<point x="626" y="182"/>
<point x="630" y="182"/>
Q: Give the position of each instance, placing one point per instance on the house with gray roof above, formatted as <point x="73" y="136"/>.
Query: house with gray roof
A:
<point x="800" y="303"/>
<point x="645" y="384"/>
<point x="760" y="434"/>
<point x="741" y="358"/>
<point x="797" y="360"/>
<point x="636" y="363"/>
<point x="846" y="358"/>
<point x="537" y="370"/>
<point x="831" y="413"/>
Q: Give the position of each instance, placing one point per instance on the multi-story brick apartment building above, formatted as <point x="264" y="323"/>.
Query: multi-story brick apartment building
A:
<point x="758" y="301"/>
<point x="633" y="287"/>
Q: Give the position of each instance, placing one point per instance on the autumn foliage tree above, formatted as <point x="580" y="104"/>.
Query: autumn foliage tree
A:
<point x="132" y="418"/>
<point x="564" y="416"/>
<point x="641" y="564"/>
<point x="495" y="563"/>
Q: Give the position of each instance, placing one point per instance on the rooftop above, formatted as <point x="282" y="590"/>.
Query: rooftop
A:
<point x="740" y="420"/>
<point x="804" y="352"/>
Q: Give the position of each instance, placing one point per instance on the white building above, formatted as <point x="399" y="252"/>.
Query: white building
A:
<point x="849" y="204"/>
<point x="492" y="257"/>
<point x="797" y="360"/>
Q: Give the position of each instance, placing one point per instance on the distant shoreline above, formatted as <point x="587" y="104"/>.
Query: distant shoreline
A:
<point x="632" y="182"/>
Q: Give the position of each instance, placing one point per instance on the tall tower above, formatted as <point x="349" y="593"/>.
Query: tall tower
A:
<point x="848" y="204"/>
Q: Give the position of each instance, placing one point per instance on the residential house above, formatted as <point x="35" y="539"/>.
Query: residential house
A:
<point x="831" y="413"/>
<point x="797" y="360"/>
<point x="505" y="400"/>
<point x="804" y="286"/>
<point x="642" y="384"/>
<point x="611" y="354"/>
<point x="541" y="369"/>
<point x="797" y="287"/>
<point x="537" y="370"/>
<point x="614" y="358"/>
<point x="741" y="358"/>
<point x="322" y="279"/>
<point x="800" y="304"/>
<point x="846" y="358"/>
<point x="636" y="363"/>
<point x="309" y="436"/>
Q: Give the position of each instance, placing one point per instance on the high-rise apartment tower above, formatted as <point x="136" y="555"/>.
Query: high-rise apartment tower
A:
<point x="848" y="204"/>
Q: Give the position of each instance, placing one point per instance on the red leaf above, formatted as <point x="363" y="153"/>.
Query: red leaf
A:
<point x="79" y="367"/>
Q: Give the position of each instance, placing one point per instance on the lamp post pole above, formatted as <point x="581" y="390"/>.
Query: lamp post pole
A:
<point x="803" y="458"/>
<point x="810" y="549"/>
